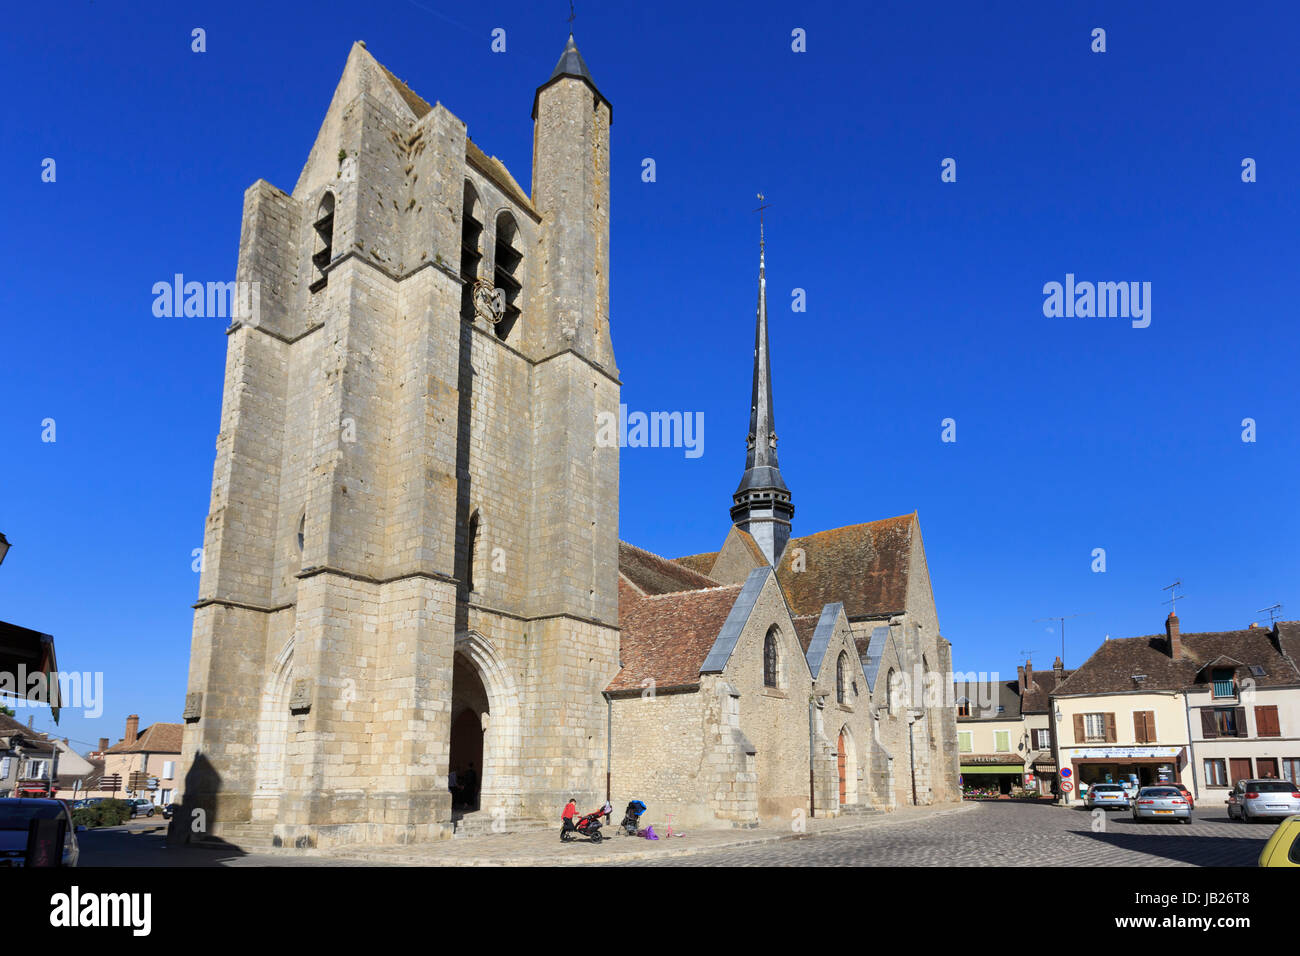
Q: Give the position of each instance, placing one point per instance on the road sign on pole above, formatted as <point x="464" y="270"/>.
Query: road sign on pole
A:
<point x="1066" y="786"/>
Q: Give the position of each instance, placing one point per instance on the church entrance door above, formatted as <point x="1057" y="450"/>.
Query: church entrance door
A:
<point x="470" y="715"/>
<point x="841" y="759"/>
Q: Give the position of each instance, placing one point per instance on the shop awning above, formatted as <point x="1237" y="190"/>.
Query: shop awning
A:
<point x="992" y="768"/>
<point x="1043" y="762"/>
<point x="23" y="653"/>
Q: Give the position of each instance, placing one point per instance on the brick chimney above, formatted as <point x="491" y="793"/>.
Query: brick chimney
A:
<point x="132" y="728"/>
<point x="1029" y="674"/>
<point x="1020" y="677"/>
<point x="1058" y="669"/>
<point x="103" y="744"/>
<point x="1175" y="642"/>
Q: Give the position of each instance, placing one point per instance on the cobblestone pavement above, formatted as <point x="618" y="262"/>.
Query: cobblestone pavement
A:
<point x="1015" y="834"/>
<point x="971" y="834"/>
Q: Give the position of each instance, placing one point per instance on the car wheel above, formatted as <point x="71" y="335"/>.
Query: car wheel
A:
<point x="1187" y="821"/>
<point x="149" y="814"/>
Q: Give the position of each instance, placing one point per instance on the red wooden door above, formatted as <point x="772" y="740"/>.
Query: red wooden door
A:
<point x="1239" y="769"/>
<point x="841" y="760"/>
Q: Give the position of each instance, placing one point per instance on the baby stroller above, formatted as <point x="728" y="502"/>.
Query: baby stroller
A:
<point x="587" y="825"/>
<point x="631" y="819"/>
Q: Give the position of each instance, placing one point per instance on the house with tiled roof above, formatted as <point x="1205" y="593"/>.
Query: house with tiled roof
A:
<point x="26" y="758"/>
<point x="147" y="761"/>
<point x="1205" y="709"/>
<point x="820" y="650"/>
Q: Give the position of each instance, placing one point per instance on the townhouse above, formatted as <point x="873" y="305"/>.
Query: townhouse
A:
<point x="1203" y="709"/>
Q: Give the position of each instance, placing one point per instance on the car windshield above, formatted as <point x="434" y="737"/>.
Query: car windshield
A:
<point x="1162" y="792"/>
<point x="1106" y="787"/>
<point x="18" y="818"/>
<point x="1272" y="786"/>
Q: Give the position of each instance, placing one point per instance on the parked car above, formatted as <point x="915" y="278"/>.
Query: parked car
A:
<point x="141" y="807"/>
<point x="1283" y="847"/>
<point x="1187" y="794"/>
<point x="16" y="815"/>
<point x="1252" y="800"/>
<point x="1107" y="795"/>
<point x="1161" y="803"/>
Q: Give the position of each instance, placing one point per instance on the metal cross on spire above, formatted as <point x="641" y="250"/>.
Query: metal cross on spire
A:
<point x="572" y="16"/>
<point x="763" y="204"/>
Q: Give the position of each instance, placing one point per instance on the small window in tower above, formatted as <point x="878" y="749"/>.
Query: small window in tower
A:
<point x="839" y="678"/>
<point x="324" y="249"/>
<point x="471" y="232"/>
<point x="771" y="659"/>
<point x="509" y="272"/>
<point x="302" y="530"/>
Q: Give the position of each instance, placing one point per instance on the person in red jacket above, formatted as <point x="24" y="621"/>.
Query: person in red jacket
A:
<point x="570" y="809"/>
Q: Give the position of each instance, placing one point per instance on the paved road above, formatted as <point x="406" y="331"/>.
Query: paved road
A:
<point x="1014" y="834"/>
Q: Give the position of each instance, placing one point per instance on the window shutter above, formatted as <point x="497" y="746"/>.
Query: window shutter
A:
<point x="1208" y="727"/>
<point x="1242" y="730"/>
<point x="1078" y="728"/>
<point x="1110" y="728"/>
<point x="1266" y="722"/>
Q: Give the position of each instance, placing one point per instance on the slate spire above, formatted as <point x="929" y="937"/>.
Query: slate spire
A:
<point x="761" y="503"/>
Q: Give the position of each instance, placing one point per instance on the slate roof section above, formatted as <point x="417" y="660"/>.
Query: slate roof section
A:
<point x="872" y="654"/>
<point x="821" y="638"/>
<point x="863" y="565"/>
<point x="666" y="637"/>
<point x="656" y="575"/>
<point x="987" y="696"/>
<point x="1111" y="667"/>
<point x="154" y="739"/>
<point x="720" y="653"/>
<point x="572" y="64"/>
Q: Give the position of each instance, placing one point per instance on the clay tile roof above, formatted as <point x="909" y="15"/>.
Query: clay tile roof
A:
<point x="864" y="566"/>
<point x="495" y="170"/>
<point x="804" y="626"/>
<point x="417" y="104"/>
<point x="656" y="575"/>
<point x="1111" y="667"/>
<point x="33" y="740"/>
<point x="1035" y="699"/>
<point x="154" y="739"/>
<point x="666" y="637"/>
<point x="699" y="563"/>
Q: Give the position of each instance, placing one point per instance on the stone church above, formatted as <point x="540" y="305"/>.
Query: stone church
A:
<point x="411" y="558"/>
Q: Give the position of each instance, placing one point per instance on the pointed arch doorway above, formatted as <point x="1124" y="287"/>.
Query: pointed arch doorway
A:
<point x="484" y="739"/>
<point x="846" y="757"/>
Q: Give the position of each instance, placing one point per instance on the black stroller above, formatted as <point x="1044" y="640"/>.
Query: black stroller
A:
<point x="632" y="817"/>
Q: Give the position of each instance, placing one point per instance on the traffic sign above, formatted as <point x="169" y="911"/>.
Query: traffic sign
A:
<point x="1066" y="772"/>
<point x="1066" y="786"/>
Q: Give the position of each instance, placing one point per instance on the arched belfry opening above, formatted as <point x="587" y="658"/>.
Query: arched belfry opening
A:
<point x="509" y="272"/>
<point x="471" y="231"/>
<point x="485" y="729"/>
<point x="323" y="248"/>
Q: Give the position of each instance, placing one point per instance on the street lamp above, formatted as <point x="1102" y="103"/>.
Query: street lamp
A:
<point x="4" y="548"/>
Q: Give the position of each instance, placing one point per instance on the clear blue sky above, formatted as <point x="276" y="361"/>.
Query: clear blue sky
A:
<point x="924" y="298"/>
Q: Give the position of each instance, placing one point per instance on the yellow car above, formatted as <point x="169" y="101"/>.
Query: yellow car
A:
<point x="1283" y="847"/>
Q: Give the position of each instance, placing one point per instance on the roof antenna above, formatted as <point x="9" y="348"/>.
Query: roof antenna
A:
<point x="1272" y="612"/>
<point x="1062" y="619"/>
<point x="1174" y="596"/>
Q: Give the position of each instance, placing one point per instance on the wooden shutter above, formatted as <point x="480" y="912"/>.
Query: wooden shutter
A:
<point x="1242" y="730"/>
<point x="1110" y="729"/>
<point x="1208" y="727"/>
<point x="1078" y="728"/>
<point x="1266" y="722"/>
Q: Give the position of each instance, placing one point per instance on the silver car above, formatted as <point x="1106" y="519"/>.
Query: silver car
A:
<point x="1161" y="803"/>
<point x="1107" y="795"/>
<point x="1252" y="800"/>
<point x="16" y="815"/>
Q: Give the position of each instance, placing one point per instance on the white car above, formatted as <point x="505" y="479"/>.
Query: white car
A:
<point x="16" y="815"/>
